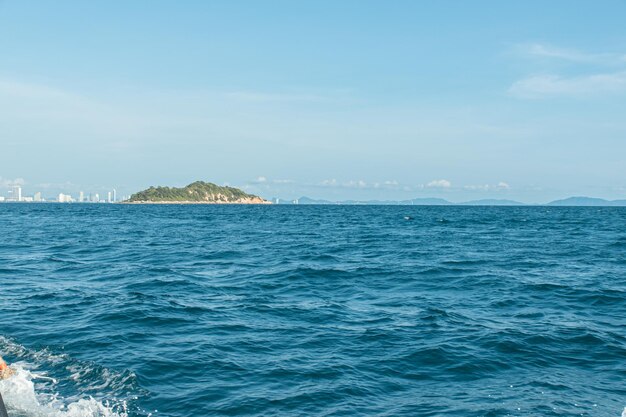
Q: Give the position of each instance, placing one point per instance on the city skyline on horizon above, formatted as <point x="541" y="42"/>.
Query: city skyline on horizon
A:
<point x="16" y="193"/>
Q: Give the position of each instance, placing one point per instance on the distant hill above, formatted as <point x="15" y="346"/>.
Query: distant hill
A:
<point x="492" y="202"/>
<point x="587" y="201"/>
<point x="198" y="192"/>
<point x="429" y="202"/>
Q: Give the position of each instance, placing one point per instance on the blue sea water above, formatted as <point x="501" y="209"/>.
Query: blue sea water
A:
<point x="128" y="310"/>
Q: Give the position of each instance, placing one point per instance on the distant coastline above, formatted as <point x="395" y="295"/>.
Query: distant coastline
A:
<point x="567" y="202"/>
<point x="255" y="200"/>
<point x="208" y="193"/>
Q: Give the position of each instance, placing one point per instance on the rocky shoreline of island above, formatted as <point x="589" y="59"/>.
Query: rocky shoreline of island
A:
<point x="245" y="202"/>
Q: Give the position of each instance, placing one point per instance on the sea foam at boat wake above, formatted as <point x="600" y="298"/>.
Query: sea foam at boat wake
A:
<point x="32" y="392"/>
<point x="21" y="399"/>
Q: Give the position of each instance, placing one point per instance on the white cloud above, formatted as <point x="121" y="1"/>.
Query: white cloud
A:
<point x="389" y="184"/>
<point x="547" y="86"/>
<point x="57" y="185"/>
<point x="355" y="184"/>
<point x="6" y="182"/>
<point x="439" y="184"/>
<point x="488" y="187"/>
<point x="484" y="187"/>
<point x="268" y="182"/>
<point x="349" y="184"/>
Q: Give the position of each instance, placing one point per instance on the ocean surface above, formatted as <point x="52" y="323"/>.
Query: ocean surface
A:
<point x="138" y="310"/>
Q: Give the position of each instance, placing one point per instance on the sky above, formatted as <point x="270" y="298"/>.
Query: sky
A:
<point x="351" y="99"/>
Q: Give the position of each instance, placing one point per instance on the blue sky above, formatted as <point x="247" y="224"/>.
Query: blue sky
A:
<point x="330" y="99"/>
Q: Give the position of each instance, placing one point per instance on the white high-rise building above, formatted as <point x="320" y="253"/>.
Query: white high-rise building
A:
<point x="81" y="197"/>
<point x="109" y="197"/>
<point x="37" y="197"/>
<point x="96" y="198"/>
<point x="65" y="198"/>
<point x="16" y="193"/>
<point x="114" y="195"/>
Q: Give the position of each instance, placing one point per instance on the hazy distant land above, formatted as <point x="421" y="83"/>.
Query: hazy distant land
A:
<point x="571" y="201"/>
<point x="201" y="192"/>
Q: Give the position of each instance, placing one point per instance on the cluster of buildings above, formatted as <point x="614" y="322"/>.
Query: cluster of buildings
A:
<point x="15" y="195"/>
<point x="276" y="200"/>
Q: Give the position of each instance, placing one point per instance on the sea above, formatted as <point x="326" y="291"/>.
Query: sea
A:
<point x="292" y="310"/>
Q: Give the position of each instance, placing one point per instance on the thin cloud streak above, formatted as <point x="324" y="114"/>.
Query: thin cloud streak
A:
<point x="547" y="86"/>
<point x="595" y="82"/>
<point x="567" y="54"/>
<point x="263" y="97"/>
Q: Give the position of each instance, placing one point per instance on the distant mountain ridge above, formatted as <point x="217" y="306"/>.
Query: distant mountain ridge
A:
<point x="571" y="201"/>
<point x="198" y="192"/>
<point x="588" y="201"/>
<point x="491" y="202"/>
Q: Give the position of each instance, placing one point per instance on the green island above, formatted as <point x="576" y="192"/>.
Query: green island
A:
<point x="198" y="192"/>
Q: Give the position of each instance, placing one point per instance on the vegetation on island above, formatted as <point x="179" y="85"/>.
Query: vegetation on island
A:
<point x="197" y="192"/>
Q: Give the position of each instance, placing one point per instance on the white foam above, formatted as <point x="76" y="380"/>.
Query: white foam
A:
<point x="22" y="400"/>
<point x="32" y="392"/>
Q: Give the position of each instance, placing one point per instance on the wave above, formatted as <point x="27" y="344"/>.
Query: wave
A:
<point x="36" y="391"/>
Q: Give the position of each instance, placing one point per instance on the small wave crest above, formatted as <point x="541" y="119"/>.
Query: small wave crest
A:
<point x="33" y="392"/>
